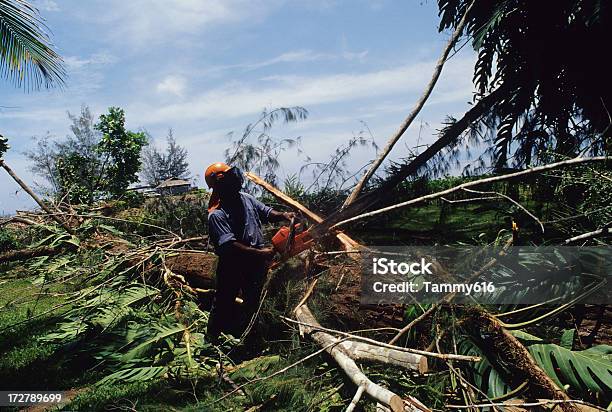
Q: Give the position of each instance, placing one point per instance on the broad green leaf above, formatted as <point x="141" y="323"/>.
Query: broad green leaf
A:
<point x="567" y="338"/>
<point x="143" y="347"/>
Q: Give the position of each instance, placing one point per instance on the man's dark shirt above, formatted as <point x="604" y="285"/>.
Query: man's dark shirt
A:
<point x="241" y="222"/>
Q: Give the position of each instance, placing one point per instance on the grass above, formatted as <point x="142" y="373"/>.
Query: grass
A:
<point x="432" y="223"/>
<point x="24" y="363"/>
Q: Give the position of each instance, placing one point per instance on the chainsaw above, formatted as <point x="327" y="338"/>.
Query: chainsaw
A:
<point x="290" y="241"/>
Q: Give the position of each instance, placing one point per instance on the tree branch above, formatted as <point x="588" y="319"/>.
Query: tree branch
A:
<point x="414" y="112"/>
<point x="29" y="191"/>
<point x="577" y="160"/>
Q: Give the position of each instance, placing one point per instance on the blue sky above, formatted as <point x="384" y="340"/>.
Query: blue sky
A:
<point x="209" y="67"/>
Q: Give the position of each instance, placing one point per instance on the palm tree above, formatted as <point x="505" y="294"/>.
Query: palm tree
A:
<point x="549" y="62"/>
<point x="27" y="57"/>
<point x="28" y="60"/>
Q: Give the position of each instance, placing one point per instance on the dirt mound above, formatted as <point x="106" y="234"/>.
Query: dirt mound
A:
<point x="198" y="268"/>
<point x="346" y="307"/>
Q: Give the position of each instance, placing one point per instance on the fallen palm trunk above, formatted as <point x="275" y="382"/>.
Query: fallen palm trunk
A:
<point x="342" y="354"/>
<point x="25" y="254"/>
<point x="512" y="357"/>
<point x="29" y="191"/>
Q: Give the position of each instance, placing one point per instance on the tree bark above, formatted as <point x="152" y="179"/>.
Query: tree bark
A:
<point x="517" y="361"/>
<point x="344" y="359"/>
<point x="361" y="351"/>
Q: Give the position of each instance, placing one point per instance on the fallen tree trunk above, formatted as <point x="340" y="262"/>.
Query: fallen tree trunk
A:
<point x="25" y="254"/>
<point x="518" y="364"/>
<point x="345" y="360"/>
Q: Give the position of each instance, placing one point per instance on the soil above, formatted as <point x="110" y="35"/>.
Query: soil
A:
<point x="197" y="268"/>
<point x="347" y="309"/>
<point x="596" y="319"/>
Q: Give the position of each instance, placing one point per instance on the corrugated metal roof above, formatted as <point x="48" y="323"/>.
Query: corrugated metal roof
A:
<point x="173" y="182"/>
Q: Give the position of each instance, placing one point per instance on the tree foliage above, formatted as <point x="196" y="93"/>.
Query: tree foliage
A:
<point x="257" y="149"/>
<point x="121" y="149"/>
<point x="27" y="57"/>
<point x="98" y="160"/>
<point x="4" y="146"/>
<point x="158" y="166"/>
<point x="550" y="66"/>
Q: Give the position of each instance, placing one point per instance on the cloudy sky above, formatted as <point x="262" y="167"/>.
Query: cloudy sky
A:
<point x="209" y="67"/>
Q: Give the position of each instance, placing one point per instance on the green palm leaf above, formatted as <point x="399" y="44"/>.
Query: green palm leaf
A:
<point x="139" y="374"/>
<point x="143" y="347"/>
<point x="26" y="54"/>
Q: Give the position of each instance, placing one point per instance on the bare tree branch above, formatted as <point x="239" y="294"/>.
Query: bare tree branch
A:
<point x="414" y="112"/>
<point x="29" y="191"/>
<point x="577" y="160"/>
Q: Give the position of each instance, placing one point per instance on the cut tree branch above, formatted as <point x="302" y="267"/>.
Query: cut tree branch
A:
<point x="346" y="241"/>
<point x="514" y="202"/>
<point x="414" y="112"/>
<point x="589" y="235"/>
<point x="444" y="356"/>
<point x="348" y="365"/>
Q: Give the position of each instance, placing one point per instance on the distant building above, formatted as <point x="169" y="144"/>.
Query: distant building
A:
<point x="173" y="186"/>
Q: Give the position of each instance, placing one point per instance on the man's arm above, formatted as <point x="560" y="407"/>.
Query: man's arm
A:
<point x="276" y="216"/>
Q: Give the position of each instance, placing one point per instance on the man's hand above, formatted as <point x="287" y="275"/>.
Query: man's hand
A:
<point x="288" y="216"/>
<point x="276" y="216"/>
<point x="267" y="253"/>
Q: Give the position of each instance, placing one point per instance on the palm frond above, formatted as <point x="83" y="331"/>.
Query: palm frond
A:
<point x="27" y="57"/>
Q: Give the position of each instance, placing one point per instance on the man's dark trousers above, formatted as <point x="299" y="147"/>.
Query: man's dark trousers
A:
<point x="234" y="275"/>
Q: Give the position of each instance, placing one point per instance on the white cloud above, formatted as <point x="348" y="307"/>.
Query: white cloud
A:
<point x="86" y="74"/>
<point x="46" y="5"/>
<point x="296" y="56"/>
<point x="237" y="99"/>
<point x="305" y="56"/>
<point x="172" y="84"/>
<point x="144" y="22"/>
<point x="77" y="63"/>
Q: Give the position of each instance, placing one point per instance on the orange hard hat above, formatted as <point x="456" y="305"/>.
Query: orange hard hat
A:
<point x="214" y="171"/>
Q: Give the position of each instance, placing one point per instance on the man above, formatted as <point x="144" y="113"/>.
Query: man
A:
<point x="234" y="228"/>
